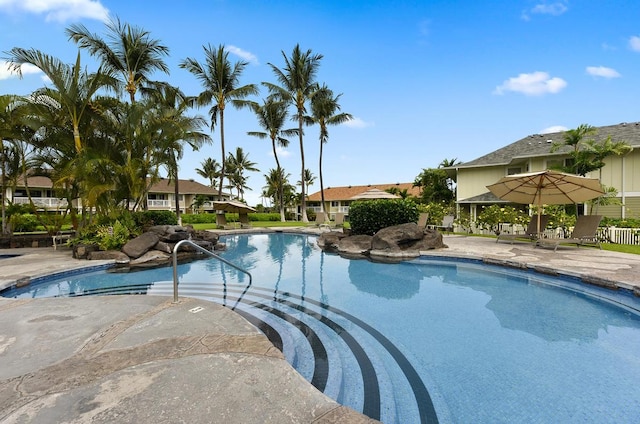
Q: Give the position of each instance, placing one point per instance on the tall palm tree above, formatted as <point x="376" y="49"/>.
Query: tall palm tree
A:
<point x="128" y="51"/>
<point x="323" y="112"/>
<point x="278" y="182"/>
<point x="210" y="170"/>
<point x="221" y="82"/>
<point x="298" y="82"/>
<point x="238" y="164"/>
<point x="272" y="115"/>
<point x="175" y="129"/>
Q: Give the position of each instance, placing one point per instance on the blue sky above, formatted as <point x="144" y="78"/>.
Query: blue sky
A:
<point x="424" y="80"/>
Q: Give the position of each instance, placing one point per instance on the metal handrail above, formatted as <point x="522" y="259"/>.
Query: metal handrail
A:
<point x="203" y="250"/>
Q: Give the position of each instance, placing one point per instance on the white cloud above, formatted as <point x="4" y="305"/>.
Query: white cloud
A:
<point x="58" y="10"/>
<point x="27" y="69"/>
<point x="249" y="57"/>
<point x="357" y="123"/>
<point x="281" y="152"/>
<point x="634" y="43"/>
<point x="554" y="129"/>
<point x="533" y="84"/>
<point x="602" y="71"/>
<point x="554" y="9"/>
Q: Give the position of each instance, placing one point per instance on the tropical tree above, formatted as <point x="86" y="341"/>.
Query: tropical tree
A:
<point x="272" y="115"/>
<point x="307" y="178"/>
<point x="10" y="124"/>
<point x="175" y="129"/>
<point x="238" y="164"/>
<point x="278" y="188"/>
<point x="434" y="186"/>
<point x="221" y="82"/>
<point x="210" y="170"/>
<point x="588" y="155"/>
<point x="297" y="82"/>
<point x="323" y="113"/>
<point x="128" y="51"/>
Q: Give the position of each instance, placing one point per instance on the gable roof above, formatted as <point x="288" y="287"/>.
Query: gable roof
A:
<point x="185" y="187"/>
<point x="346" y="193"/>
<point x="162" y="186"/>
<point x="537" y="145"/>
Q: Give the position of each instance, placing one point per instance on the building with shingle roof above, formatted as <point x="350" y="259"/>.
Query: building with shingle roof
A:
<point x="337" y="199"/>
<point x="161" y="195"/>
<point x="533" y="153"/>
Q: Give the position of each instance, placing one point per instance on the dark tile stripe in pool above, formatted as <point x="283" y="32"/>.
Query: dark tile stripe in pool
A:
<point x="423" y="399"/>
<point x="271" y="333"/>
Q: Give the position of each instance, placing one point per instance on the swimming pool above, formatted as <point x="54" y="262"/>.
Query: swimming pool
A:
<point x="420" y="341"/>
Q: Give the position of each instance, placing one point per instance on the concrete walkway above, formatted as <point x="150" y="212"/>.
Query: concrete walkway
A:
<point x="144" y="359"/>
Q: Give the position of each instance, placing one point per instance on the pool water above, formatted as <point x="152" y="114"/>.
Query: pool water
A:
<point x="420" y="341"/>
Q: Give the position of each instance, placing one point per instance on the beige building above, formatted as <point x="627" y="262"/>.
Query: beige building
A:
<point x="337" y="199"/>
<point x="533" y="153"/>
<point x="161" y="196"/>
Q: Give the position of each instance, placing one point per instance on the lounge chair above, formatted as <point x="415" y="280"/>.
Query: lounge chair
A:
<point x="530" y="234"/>
<point x="321" y="220"/>
<point x="244" y="221"/>
<point x="221" y="222"/>
<point x="338" y="221"/>
<point x="422" y="220"/>
<point x="583" y="234"/>
<point x="447" y="224"/>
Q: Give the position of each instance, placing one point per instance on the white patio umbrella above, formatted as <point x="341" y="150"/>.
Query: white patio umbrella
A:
<point x="546" y="188"/>
<point x="374" y="193"/>
<point x="232" y="206"/>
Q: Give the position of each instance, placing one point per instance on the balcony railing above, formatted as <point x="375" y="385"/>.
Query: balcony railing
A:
<point x="42" y="202"/>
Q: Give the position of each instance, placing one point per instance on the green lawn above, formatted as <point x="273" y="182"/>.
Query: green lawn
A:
<point x="255" y="224"/>
<point x="624" y="248"/>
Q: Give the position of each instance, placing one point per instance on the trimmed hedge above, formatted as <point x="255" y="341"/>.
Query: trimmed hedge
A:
<point x="370" y="216"/>
<point x="210" y="218"/>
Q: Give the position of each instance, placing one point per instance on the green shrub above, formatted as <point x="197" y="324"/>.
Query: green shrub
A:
<point x="199" y="218"/>
<point x="112" y="237"/>
<point x="620" y="223"/>
<point x="146" y="219"/>
<point x="23" y="223"/>
<point x="370" y="216"/>
<point x="492" y="216"/>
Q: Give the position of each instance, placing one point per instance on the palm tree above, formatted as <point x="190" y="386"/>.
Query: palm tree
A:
<point x="238" y="164"/>
<point x="10" y="124"/>
<point x="297" y="80"/>
<point x="221" y="85"/>
<point x="272" y="115"/>
<point x="174" y="131"/>
<point x="72" y="88"/>
<point x="128" y="51"/>
<point x="308" y="178"/>
<point x="210" y="170"/>
<point x="278" y="188"/>
<point x="323" y="112"/>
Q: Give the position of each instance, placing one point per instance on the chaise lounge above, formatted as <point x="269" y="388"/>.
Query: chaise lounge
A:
<point x="530" y="234"/>
<point x="583" y="234"/>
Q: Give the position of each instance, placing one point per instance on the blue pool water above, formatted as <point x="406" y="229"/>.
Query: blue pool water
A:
<point x="420" y="341"/>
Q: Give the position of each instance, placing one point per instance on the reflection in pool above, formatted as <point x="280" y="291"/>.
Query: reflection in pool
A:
<point x="421" y="341"/>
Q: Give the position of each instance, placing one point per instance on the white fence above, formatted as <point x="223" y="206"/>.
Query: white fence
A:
<point x="605" y="234"/>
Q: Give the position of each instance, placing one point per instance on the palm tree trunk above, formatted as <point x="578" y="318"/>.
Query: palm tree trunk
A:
<point x="222" y="171"/>
<point x="280" y="183"/>
<point x="321" y="182"/>
<point x="303" y="200"/>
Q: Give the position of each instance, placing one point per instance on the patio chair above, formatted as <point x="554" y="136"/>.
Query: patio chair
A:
<point x="321" y="220"/>
<point x="338" y="221"/>
<point x="447" y="224"/>
<point x="221" y="222"/>
<point x="530" y="234"/>
<point x="583" y="234"/>
<point x="422" y="220"/>
<point x="244" y="221"/>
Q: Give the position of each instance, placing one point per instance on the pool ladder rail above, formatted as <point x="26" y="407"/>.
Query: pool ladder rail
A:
<point x="206" y="252"/>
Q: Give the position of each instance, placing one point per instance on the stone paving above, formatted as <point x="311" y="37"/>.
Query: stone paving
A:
<point x="144" y="359"/>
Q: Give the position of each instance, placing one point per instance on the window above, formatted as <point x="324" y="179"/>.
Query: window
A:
<point x="512" y="171"/>
<point x="335" y="204"/>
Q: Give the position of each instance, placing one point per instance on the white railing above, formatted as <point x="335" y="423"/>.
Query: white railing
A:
<point x="43" y="202"/>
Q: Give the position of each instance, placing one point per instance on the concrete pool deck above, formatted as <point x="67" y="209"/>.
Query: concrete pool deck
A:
<point x="146" y="359"/>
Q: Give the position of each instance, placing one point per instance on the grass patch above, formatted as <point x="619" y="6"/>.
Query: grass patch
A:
<point x="623" y="248"/>
<point x="254" y="224"/>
